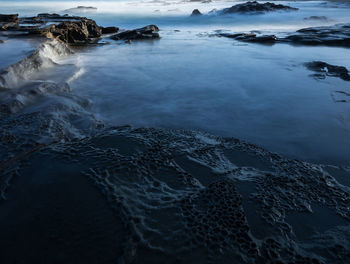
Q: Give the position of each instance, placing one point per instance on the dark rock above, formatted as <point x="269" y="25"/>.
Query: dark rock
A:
<point x="319" y="18"/>
<point x="9" y="18"/>
<point x="148" y="32"/>
<point x="2" y="41"/>
<point x="325" y="69"/>
<point x="196" y="12"/>
<point x="59" y="17"/>
<point x="81" y="9"/>
<point x="337" y="35"/>
<point x="109" y="30"/>
<point x="251" y="37"/>
<point x="255" y="7"/>
<point x="76" y="32"/>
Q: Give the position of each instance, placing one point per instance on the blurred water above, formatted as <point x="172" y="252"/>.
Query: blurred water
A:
<point x="189" y="79"/>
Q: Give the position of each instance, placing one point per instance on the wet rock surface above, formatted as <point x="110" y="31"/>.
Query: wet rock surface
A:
<point x="147" y="32"/>
<point x="337" y="35"/>
<point x="251" y="37"/>
<point x="109" y="30"/>
<point x="76" y="32"/>
<point x="185" y="196"/>
<point x="324" y="69"/>
<point x="67" y="29"/>
<point x="254" y="7"/>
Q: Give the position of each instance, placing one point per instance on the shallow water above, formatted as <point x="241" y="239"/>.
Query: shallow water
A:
<point x="189" y="79"/>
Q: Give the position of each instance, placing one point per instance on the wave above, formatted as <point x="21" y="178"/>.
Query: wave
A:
<point x="47" y="55"/>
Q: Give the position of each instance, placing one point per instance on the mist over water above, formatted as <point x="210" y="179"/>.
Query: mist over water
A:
<point x="190" y="79"/>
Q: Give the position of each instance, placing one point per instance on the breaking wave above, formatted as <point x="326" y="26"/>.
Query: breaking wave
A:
<point x="48" y="55"/>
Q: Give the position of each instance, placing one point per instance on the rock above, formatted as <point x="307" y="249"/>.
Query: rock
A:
<point x="324" y="69"/>
<point x="9" y="18"/>
<point x="255" y="7"/>
<point x="81" y="9"/>
<point x="2" y="41"/>
<point x="337" y="35"/>
<point x="251" y="37"/>
<point x="76" y="32"/>
<point x="59" y="17"/>
<point x="148" y="32"/>
<point x="319" y="18"/>
<point x="196" y="12"/>
<point x="109" y="30"/>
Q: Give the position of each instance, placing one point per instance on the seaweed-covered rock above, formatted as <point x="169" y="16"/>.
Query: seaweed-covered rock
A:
<point x="255" y="7"/>
<point x="109" y="30"/>
<point x="324" y="69"/>
<point x="76" y="32"/>
<point x="147" y="32"/>
<point x="196" y="12"/>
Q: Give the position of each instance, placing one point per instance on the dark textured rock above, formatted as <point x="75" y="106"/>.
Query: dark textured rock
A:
<point x="109" y="30"/>
<point x="147" y="32"/>
<point x="324" y="69"/>
<point x="251" y="37"/>
<point x="196" y="12"/>
<point x="77" y="32"/>
<point x="255" y="7"/>
<point x="337" y="35"/>
<point x="8" y="18"/>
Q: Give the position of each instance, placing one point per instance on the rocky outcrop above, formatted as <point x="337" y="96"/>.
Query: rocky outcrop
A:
<point x="66" y="29"/>
<point x="324" y="69"/>
<point x="147" y="32"/>
<point x="337" y="35"/>
<point x="76" y="32"/>
<point x="109" y="30"/>
<point x="196" y="12"/>
<point x="256" y="7"/>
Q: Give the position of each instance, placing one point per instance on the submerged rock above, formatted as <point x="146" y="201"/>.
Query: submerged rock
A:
<point x="256" y="7"/>
<point x="196" y="12"/>
<point x="324" y="69"/>
<point x="319" y="18"/>
<point x="2" y="41"/>
<point x="109" y="30"/>
<point x="147" y="32"/>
